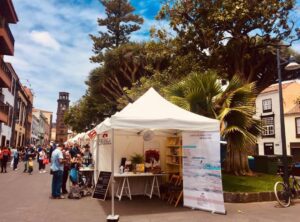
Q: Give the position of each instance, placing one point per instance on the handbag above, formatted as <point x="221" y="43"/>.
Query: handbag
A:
<point x="45" y="161"/>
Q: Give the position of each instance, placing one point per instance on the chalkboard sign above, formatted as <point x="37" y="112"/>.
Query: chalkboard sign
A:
<point x="102" y="185"/>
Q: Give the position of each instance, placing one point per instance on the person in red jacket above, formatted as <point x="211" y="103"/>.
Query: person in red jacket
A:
<point x="5" y="154"/>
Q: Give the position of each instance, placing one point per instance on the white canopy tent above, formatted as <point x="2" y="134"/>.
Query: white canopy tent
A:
<point x="152" y="111"/>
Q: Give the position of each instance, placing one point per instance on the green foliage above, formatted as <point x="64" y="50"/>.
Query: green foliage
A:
<point x="121" y="67"/>
<point x="234" y="106"/>
<point x="85" y="113"/>
<point x="258" y="183"/>
<point x="120" y="23"/>
<point x="137" y="159"/>
<point x="234" y="37"/>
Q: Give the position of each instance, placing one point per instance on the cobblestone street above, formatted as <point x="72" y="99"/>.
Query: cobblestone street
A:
<point x="26" y="198"/>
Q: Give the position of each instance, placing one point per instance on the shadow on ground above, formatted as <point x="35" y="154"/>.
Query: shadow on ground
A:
<point x="141" y="205"/>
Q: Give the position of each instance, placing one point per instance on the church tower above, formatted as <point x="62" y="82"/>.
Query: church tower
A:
<point x="62" y="106"/>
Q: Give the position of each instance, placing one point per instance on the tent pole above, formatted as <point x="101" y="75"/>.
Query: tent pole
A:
<point x="97" y="154"/>
<point x="112" y="217"/>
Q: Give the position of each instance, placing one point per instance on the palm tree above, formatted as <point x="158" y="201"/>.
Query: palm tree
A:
<point x="234" y="106"/>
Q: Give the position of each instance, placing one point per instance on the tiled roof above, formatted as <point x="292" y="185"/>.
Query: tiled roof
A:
<point x="291" y="92"/>
<point x="274" y="87"/>
<point x="294" y="110"/>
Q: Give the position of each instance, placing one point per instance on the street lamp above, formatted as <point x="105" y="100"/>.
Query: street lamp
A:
<point x="291" y="66"/>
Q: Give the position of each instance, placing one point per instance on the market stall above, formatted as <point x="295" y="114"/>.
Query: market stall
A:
<point x="151" y="116"/>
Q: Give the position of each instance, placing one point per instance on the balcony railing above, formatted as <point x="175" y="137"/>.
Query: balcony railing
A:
<point x="6" y="72"/>
<point x="5" y="30"/>
<point x="4" y="111"/>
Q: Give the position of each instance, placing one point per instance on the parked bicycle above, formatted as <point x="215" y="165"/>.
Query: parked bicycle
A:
<point x="284" y="193"/>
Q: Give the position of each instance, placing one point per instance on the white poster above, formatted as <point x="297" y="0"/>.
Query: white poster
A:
<point x="202" y="179"/>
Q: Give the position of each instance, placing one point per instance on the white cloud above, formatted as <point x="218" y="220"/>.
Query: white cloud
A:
<point x="45" y="39"/>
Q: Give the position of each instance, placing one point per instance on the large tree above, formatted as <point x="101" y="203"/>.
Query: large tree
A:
<point x="121" y="67"/>
<point x="236" y="37"/>
<point x="119" y="23"/>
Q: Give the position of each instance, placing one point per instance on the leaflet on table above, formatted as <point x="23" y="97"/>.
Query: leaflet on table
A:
<point x="202" y="180"/>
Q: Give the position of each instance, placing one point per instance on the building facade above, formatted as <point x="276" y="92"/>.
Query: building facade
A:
<point x="23" y="115"/>
<point x="44" y="122"/>
<point x="53" y="132"/>
<point x="35" y="126"/>
<point x="8" y="96"/>
<point x="267" y="109"/>
<point x="61" y="128"/>
<point x="7" y="85"/>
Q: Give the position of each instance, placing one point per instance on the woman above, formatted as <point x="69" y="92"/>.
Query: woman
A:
<point x="16" y="156"/>
<point x="42" y="156"/>
<point x="5" y="153"/>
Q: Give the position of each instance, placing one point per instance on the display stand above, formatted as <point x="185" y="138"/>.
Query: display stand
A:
<point x="174" y="155"/>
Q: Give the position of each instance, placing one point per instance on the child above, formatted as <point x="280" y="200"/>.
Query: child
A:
<point x="30" y="165"/>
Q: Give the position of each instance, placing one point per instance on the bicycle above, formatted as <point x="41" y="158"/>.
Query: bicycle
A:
<point x="283" y="193"/>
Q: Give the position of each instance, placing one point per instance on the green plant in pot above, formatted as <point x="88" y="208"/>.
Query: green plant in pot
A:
<point x="136" y="159"/>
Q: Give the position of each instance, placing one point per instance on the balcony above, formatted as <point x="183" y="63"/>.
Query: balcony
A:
<point x="5" y="75"/>
<point x="4" y="111"/>
<point x="7" y="40"/>
<point x="7" y="10"/>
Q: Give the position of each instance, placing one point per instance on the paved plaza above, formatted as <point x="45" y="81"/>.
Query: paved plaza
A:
<point x="25" y="198"/>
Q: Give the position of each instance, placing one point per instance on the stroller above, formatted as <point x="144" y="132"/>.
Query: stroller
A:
<point x="76" y="188"/>
<point x="80" y="185"/>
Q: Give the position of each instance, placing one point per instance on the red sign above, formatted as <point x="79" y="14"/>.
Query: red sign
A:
<point x="92" y="134"/>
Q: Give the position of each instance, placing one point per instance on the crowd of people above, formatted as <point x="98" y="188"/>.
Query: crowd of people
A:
<point x="27" y="155"/>
<point x="65" y="161"/>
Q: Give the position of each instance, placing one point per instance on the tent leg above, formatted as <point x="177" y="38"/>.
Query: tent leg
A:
<point x="112" y="217"/>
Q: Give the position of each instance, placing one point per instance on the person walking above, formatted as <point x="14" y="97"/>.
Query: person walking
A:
<point x="30" y="165"/>
<point x="42" y="156"/>
<point x="25" y="156"/>
<point x="16" y="156"/>
<point x="57" y="168"/>
<point x="5" y="153"/>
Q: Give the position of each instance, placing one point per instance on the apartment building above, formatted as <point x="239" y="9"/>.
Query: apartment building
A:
<point x="7" y="76"/>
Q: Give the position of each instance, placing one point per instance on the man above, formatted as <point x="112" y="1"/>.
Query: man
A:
<point x="75" y="150"/>
<point x="67" y="163"/>
<point x="52" y="148"/>
<point x="57" y="168"/>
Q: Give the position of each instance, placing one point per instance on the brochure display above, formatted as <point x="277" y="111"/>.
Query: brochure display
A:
<point x="202" y="180"/>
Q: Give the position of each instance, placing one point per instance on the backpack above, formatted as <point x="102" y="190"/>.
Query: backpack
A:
<point x="74" y="175"/>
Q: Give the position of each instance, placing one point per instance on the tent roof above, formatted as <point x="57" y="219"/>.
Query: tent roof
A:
<point x="152" y="111"/>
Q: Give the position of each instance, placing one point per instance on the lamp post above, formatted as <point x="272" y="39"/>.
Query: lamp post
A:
<point x="291" y="66"/>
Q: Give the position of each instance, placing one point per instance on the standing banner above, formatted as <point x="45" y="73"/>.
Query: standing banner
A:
<point x="202" y="179"/>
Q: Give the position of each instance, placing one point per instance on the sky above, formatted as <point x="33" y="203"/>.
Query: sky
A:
<point x="53" y="47"/>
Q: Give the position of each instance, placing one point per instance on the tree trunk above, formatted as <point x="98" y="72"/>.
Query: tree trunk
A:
<point x="236" y="162"/>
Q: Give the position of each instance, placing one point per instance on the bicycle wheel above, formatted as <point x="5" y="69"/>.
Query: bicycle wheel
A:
<point x="282" y="194"/>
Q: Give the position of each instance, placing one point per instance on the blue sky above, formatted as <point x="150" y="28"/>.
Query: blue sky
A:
<point x="52" y="44"/>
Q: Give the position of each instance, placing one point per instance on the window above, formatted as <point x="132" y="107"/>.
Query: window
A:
<point x="297" y="120"/>
<point x="268" y="126"/>
<point x="269" y="148"/>
<point x="267" y="105"/>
